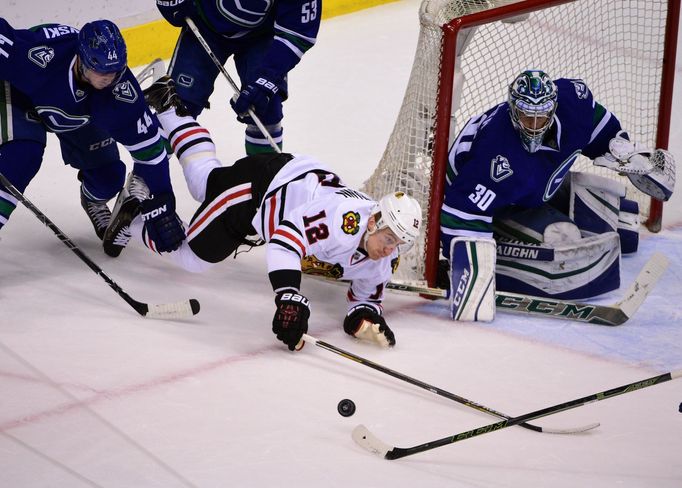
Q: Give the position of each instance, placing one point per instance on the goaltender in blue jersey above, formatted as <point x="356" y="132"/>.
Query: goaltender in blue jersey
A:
<point x="77" y="85"/>
<point x="514" y="215"/>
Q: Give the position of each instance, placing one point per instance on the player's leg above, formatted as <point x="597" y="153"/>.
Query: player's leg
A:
<point x="248" y="61"/>
<point x="22" y="144"/>
<point x="94" y="153"/>
<point x="19" y="162"/>
<point x="193" y="70"/>
<point x="472" y="279"/>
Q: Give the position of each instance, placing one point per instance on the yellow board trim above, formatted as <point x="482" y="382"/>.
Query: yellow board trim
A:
<point x="157" y="39"/>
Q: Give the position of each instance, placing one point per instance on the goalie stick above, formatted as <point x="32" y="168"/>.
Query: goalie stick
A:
<point x="614" y="314"/>
<point x="365" y="439"/>
<point x="438" y="391"/>
<point x="175" y="310"/>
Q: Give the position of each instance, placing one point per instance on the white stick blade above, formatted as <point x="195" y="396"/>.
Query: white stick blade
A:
<point x="177" y="310"/>
<point x="368" y="441"/>
<point x="645" y="282"/>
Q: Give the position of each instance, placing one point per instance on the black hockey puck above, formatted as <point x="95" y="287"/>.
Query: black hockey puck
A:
<point x="679" y="408"/>
<point x="346" y="407"/>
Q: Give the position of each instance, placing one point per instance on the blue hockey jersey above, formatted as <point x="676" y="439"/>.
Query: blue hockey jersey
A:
<point x="489" y="169"/>
<point x="294" y="24"/>
<point x="39" y="63"/>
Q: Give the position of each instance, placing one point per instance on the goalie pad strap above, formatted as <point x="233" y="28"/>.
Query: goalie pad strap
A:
<point x="472" y="279"/>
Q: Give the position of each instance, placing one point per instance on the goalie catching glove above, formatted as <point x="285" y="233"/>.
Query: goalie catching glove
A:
<point x="626" y="157"/>
<point x="365" y="323"/>
<point x="291" y="318"/>
<point x="651" y="172"/>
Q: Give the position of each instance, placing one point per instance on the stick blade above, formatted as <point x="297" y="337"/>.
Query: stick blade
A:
<point x="368" y="441"/>
<point x="643" y="284"/>
<point x="177" y="310"/>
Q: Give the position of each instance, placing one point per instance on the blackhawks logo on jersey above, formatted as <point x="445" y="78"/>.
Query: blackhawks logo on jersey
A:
<point x="351" y="223"/>
<point x="313" y="266"/>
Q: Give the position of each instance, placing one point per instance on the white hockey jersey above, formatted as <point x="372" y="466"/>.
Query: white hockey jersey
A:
<point x="309" y="214"/>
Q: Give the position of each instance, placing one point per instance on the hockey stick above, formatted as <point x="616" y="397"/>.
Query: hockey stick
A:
<point x="364" y="438"/>
<point x="175" y="310"/>
<point x="193" y="27"/>
<point x="615" y="314"/>
<point x="433" y="389"/>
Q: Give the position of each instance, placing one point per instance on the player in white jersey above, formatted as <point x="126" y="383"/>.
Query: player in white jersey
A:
<point x="307" y="218"/>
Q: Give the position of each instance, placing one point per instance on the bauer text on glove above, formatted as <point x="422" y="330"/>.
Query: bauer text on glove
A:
<point x="291" y="317"/>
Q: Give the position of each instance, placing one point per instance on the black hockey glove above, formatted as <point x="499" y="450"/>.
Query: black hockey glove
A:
<point x="256" y="95"/>
<point x="162" y="224"/>
<point x="364" y="322"/>
<point x="175" y="11"/>
<point x="291" y="318"/>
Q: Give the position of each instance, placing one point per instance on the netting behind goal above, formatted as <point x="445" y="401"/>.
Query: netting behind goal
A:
<point x="468" y="52"/>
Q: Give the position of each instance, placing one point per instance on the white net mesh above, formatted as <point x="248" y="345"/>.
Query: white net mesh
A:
<point x="616" y="46"/>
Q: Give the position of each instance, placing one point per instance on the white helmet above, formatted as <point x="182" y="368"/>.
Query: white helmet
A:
<point x="402" y="214"/>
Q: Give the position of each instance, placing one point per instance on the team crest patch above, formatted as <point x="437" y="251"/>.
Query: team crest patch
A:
<point x="125" y="92"/>
<point x="41" y="55"/>
<point x="580" y="89"/>
<point x="500" y="168"/>
<point x="310" y="265"/>
<point x="351" y="223"/>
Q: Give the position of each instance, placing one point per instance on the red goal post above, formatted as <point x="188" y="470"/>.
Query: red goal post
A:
<point x="468" y="52"/>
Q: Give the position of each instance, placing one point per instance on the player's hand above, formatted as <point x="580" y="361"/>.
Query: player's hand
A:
<point x="291" y="318"/>
<point x="255" y="96"/>
<point x="162" y="224"/>
<point x="365" y="323"/>
<point x="175" y="11"/>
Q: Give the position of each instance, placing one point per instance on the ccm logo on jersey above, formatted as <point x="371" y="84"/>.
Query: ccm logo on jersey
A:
<point x="154" y="213"/>
<point x="461" y="287"/>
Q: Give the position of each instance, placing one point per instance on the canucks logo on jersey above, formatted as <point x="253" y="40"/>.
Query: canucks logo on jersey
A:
<point x="500" y="168"/>
<point x="41" y="55"/>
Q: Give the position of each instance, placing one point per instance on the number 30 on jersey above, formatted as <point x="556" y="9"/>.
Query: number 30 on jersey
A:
<point x="482" y="197"/>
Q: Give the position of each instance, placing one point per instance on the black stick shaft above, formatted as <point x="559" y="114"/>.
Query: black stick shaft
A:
<point x="141" y="308"/>
<point x="416" y="382"/>
<point x="398" y="452"/>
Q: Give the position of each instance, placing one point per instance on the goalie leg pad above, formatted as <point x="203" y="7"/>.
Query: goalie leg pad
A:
<point x="595" y="203"/>
<point x="628" y="226"/>
<point x="536" y="225"/>
<point x="587" y="268"/>
<point x="472" y="279"/>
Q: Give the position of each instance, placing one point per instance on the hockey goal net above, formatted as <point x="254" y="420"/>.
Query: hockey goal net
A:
<point x="468" y="52"/>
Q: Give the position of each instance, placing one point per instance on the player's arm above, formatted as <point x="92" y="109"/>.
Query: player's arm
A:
<point x="652" y="171"/>
<point x="288" y="244"/>
<point x="126" y="116"/>
<point x="296" y="25"/>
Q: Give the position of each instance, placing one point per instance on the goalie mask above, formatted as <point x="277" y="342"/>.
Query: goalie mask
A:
<point x="402" y="214"/>
<point x="532" y="103"/>
<point x="101" y="48"/>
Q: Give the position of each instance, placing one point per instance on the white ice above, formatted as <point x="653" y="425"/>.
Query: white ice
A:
<point x="216" y="401"/>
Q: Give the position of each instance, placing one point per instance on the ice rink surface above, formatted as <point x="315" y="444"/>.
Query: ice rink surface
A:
<point x="94" y="395"/>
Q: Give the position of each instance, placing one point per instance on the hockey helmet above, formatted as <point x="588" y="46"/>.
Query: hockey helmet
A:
<point x="101" y="48"/>
<point x="532" y="103"/>
<point x="402" y="214"/>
